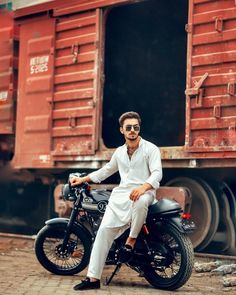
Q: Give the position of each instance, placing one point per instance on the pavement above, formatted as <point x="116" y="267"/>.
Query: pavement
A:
<point x="21" y="274"/>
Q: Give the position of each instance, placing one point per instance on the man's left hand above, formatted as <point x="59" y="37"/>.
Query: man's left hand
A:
<point x="139" y="191"/>
<point x="136" y="193"/>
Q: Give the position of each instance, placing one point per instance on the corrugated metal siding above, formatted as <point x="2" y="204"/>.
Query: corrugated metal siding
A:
<point x="211" y="76"/>
<point x="76" y="96"/>
<point x="8" y="75"/>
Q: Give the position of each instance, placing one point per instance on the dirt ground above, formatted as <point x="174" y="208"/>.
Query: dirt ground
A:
<point x="21" y="274"/>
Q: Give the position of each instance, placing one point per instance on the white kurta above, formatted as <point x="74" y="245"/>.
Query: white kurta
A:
<point x="143" y="167"/>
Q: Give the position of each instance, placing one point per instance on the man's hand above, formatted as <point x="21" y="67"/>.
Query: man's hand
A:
<point x="78" y="180"/>
<point x="139" y="191"/>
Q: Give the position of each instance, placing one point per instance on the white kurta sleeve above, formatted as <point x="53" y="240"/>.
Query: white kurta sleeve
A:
<point x="106" y="171"/>
<point x="155" y="168"/>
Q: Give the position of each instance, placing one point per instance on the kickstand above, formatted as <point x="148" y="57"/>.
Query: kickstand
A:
<point x="117" y="268"/>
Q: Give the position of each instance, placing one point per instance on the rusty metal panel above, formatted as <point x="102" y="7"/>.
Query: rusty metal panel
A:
<point x="36" y="68"/>
<point x="76" y="85"/>
<point x="8" y="71"/>
<point x="211" y="76"/>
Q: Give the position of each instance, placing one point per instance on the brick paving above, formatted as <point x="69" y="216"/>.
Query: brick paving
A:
<point x="21" y="274"/>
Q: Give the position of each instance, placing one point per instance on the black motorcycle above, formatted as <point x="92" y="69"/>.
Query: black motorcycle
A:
<point x="163" y="253"/>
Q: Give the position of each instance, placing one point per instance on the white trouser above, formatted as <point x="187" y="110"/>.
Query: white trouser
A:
<point x="106" y="235"/>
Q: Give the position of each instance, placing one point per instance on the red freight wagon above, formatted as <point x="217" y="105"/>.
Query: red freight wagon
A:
<point x="83" y="63"/>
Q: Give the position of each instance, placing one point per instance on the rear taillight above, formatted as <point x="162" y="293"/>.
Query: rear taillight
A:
<point x="186" y="215"/>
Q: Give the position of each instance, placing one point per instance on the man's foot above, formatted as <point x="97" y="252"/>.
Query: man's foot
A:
<point x="87" y="284"/>
<point x="126" y="254"/>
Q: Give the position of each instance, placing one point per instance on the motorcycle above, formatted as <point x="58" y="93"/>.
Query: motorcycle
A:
<point x="163" y="253"/>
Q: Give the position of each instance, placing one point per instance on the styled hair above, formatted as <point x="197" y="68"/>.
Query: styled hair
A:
<point x="129" y="115"/>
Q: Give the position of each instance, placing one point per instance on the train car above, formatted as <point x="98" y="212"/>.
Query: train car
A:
<point x="83" y="63"/>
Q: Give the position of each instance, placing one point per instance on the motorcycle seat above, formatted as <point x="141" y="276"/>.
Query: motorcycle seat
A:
<point x="164" y="206"/>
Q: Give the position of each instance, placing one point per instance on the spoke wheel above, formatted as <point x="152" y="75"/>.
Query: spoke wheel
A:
<point x="73" y="259"/>
<point x="176" y="265"/>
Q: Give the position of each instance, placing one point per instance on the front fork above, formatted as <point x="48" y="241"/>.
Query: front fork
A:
<point x="69" y="226"/>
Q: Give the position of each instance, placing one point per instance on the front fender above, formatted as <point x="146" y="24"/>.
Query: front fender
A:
<point x="77" y="226"/>
<point x="57" y="220"/>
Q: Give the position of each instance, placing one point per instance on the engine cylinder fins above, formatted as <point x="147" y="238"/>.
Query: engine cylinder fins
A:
<point x="204" y="209"/>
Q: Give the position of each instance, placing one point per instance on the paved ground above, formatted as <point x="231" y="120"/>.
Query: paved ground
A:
<point x="21" y="274"/>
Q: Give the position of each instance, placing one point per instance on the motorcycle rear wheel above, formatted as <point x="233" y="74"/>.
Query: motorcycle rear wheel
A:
<point x="48" y="250"/>
<point x="179" y="269"/>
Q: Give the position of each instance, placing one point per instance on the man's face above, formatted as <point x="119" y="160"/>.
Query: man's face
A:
<point x="130" y="129"/>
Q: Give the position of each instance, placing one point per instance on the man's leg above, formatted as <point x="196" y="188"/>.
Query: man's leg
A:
<point x="101" y="247"/>
<point x="139" y="214"/>
<point x="102" y="244"/>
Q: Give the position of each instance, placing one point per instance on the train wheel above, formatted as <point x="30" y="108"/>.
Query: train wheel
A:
<point x="225" y="238"/>
<point x="204" y="209"/>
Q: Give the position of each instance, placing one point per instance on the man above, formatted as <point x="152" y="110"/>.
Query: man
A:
<point x="139" y="164"/>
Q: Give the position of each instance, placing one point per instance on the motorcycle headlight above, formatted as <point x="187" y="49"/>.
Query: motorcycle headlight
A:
<point x="68" y="193"/>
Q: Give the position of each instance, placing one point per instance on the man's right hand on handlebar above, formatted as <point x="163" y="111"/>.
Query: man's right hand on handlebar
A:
<point x="74" y="181"/>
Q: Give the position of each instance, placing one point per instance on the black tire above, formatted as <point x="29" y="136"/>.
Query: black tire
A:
<point x="47" y="246"/>
<point x="183" y="249"/>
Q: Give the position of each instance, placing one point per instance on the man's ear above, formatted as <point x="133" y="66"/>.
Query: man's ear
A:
<point x="121" y="130"/>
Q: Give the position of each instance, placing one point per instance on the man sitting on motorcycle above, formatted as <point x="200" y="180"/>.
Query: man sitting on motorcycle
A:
<point x="139" y="164"/>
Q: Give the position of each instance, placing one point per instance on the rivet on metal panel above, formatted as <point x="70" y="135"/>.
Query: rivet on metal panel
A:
<point x="231" y="88"/>
<point x="188" y="28"/>
<point x="96" y="44"/>
<point x="201" y="142"/>
<point x="232" y="126"/>
<point x="219" y="24"/>
<point x="217" y="111"/>
<point x="102" y="79"/>
<point x="10" y="86"/>
<point x="49" y="99"/>
<point x="72" y="121"/>
<point x="193" y="163"/>
<point x="225" y="141"/>
<point x="60" y="147"/>
<point x="75" y="52"/>
<point x="89" y="145"/>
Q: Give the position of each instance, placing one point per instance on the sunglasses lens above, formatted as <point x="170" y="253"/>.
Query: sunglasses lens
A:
<point x="129" y="128"/>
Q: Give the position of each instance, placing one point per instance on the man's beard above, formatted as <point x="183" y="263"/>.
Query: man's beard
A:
<point x="132" y="138"/>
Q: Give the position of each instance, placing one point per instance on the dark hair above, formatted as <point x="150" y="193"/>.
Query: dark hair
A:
<point x="129" y="115"/>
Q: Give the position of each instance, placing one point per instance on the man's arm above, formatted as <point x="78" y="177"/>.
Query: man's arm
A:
<point x="97" y="176"/>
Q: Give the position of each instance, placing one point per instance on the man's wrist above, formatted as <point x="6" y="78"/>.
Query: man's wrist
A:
<point x="147" y="186"/>
<point x="86" y="179"/>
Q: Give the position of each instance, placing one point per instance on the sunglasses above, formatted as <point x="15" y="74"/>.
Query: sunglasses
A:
<point x="129" y="127"/>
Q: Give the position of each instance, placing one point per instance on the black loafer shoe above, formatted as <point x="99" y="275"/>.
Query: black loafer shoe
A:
<point x="126" y="254"/>
<point x="86" y="285"/>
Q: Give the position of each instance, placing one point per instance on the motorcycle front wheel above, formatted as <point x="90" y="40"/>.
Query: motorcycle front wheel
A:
<point x="177" y="267"/>
<point x="48" y="249"/>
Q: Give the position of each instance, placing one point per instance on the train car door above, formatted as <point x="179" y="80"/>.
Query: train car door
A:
<point x="35" y="90"/>
<point x="211" y="76"/>
<point x="77" y="85"/>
